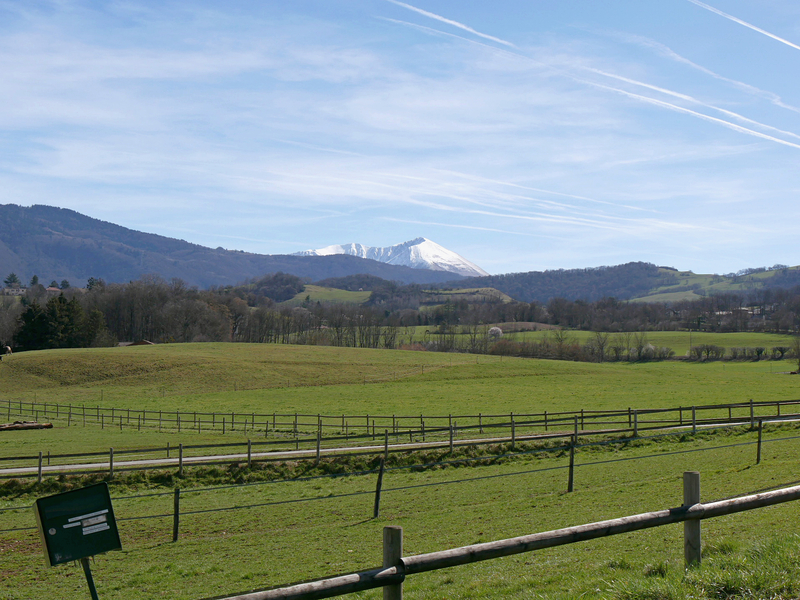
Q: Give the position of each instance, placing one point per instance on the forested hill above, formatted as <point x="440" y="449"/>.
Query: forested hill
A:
<point x="626" y="281"/>
<point x="56" y="244"/>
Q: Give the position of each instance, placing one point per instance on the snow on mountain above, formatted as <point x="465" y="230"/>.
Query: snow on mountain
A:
<point x="420" y="253"/>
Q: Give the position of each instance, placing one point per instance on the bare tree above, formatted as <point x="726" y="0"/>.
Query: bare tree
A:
<point x="796" y="350"/>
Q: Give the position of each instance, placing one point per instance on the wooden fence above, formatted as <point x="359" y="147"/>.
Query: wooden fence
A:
<point x="518" y="429"/>
<point x="395" y="567"/>
<point x="373" y="426"/>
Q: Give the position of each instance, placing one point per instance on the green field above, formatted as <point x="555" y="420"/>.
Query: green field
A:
<point x="679" y="341"/>
<point x="707" y="284"/>
<point x="235" y="551"/>
<point x="265" y="378"/>
<point x="312" y="294"/>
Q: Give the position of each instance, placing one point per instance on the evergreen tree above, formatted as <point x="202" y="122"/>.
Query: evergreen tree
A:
<point x="34" y="329"/>
<point x="61" y="323"/>
<point x="12" y="281"/>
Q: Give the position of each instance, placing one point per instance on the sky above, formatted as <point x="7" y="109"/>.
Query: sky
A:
<point x="523" y="135"/>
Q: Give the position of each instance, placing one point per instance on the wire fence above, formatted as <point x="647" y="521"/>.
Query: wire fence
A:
<point x="340" y="439"/>
<point x="560" y="451"/>
<point x="366" y="426"/>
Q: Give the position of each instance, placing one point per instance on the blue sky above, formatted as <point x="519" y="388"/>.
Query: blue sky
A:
<point x="525" y="136"/>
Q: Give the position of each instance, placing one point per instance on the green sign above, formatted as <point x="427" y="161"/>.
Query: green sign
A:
<point x="77" y="524"/>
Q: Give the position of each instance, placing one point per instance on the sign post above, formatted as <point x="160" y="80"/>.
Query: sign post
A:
<point x="76" y="525"/>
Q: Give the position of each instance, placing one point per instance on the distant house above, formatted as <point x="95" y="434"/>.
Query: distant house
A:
<point x="139" y="343"/>
<point x="15" y="291"/>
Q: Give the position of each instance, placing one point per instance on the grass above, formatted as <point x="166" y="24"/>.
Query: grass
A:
<point x="252" y="548"/>
<point x="250" y="378"/>
<point x="312" y="294"/>
<point x="679" y="340"/>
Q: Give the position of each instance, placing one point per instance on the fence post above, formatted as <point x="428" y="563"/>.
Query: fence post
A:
<point x="451" y="437"/>
<point x="180" y="460"/>
<point x="694" y="420"/>
<point x="513" y="432"/>
<point x="758" y="450"/>
<point x="752" y="417"/>
<point x="176" y="515"/>
<point x="480" y="423"/>
<point x="573" y="443"/>
<point x="110" y="463"/>
<point x="377" y="509"/>
<point x="319" y="441"/>
<point x="250" y="453"/>
<point x="423" y="429"/>
<point x="167" y="449"/>
<point x="39" y="477"/>
<point x="636" y="423"/>
<point x="392" y="557"/>
<point x="545" y="420"/>
<point x="691" y="527"/>
<point x="385" y="444"/>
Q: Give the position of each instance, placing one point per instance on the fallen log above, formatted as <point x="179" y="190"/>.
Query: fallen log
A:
<point x="18" y="425"/>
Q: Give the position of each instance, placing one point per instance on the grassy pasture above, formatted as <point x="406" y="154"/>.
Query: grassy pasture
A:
<point x="316" y="293"/>
<point x="253" y="378"/>
<point x="236" y="551"/>
<point x="679" y="340"/>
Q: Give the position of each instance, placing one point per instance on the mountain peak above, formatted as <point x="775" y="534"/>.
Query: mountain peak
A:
<point x="419" y="253"/>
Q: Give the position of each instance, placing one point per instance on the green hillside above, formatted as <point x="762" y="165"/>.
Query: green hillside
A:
<point x="686" y="285"/>
<point x="327" y="295"/>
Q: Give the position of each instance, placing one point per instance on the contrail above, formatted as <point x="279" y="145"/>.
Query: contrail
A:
<point x="692" y="100"/>
<point x="451" y="22"/>
<point x="745" y="23"/>
<point x="668" y="52"/>
<point x="699" y="115"/>
<point x="639" y="97"/>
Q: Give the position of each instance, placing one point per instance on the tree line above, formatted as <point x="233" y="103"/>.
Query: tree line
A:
<point x="151" y="308"/>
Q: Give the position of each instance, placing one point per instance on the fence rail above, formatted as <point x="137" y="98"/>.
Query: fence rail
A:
<point x="524" y="427"/>
<point x="350" y="426"/>
<point x="396" y="568"/>
<point x="570" y="467"/>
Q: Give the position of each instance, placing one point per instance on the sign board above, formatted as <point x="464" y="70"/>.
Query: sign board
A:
<point x="77" y="524"/>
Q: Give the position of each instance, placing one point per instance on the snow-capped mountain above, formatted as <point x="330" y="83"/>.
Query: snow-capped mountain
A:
<point x="420" y="253"/>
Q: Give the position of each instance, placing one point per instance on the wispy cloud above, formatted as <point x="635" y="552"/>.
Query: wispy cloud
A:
<point x="459" y="226"/>
<point x="570" y="72"/>
<point x="453" y="23"/>
<point x="745" y="23"/>
<point x="692" y="100"/>
<point x="668" y="52"/>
